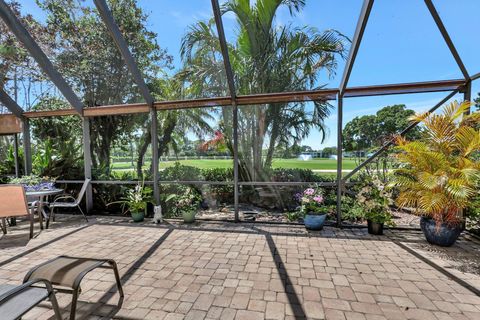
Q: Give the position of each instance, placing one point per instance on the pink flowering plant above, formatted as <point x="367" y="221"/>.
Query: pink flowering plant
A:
<point x="311" y="201"/>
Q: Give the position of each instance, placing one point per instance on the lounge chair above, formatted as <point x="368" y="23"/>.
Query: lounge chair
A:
<point x="15" y="301"/>
<point x="66" y="274"/>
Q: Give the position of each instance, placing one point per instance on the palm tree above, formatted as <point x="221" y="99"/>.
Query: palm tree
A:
<point x="265" y="58"/>
<point x="438" y="175"/>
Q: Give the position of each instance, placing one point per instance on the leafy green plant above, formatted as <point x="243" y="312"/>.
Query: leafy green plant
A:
<point x="7" y="164"/>
<point x="351" y="210"/>
<point x="65" y="162"/>
<point x="188" y="201"/>
<point x="136" y="199"/>
<point x="374" y="198"/>
<point x="292" y="216"/>
<point x="439" y="174"/>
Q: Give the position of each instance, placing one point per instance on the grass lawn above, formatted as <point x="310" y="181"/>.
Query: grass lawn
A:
<point x="316" y="164"/>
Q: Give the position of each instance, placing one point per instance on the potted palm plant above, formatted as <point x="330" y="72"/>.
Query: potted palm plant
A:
<point x="438" y="174"/>
<point x="374" y="200"/>
<point x="135" y="202"/>
<point x="313" y="209"/>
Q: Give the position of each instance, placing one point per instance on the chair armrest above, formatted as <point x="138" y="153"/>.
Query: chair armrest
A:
<point x="67" y="197"/>
<point x="17" y="290"/>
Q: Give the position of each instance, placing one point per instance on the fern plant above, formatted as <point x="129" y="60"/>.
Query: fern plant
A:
<point x="438" y="173"/>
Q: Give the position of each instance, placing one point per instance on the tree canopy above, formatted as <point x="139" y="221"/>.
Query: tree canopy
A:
<point x="368" y="131"/>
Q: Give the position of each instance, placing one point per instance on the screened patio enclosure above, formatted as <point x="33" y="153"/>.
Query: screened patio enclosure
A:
<point x="244" y="109"/>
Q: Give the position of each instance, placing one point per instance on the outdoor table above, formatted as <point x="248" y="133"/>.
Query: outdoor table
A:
<point x="41" y="194"/>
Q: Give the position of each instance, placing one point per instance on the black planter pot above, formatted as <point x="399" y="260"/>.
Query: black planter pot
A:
<point x="442" y="235"/>
<point x="375" y="228"/>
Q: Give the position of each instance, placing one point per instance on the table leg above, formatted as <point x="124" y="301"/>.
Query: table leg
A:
<point x="40" y="213"/>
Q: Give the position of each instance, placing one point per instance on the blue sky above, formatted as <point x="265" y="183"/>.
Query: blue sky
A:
<point x="401" y="43"/>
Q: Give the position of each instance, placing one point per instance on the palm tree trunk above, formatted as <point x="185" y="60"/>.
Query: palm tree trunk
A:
<point x="147" y="139"/>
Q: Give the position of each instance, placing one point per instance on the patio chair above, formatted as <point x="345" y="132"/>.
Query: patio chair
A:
<point x="15" y="301"/>
<point x="68" y="201"/>
<point x="66" y="274"/>
<point x="13" y="203"/>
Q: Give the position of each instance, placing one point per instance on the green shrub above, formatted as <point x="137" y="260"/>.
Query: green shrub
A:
<point x="179" y="172"/>
<point x="473" y="214"/>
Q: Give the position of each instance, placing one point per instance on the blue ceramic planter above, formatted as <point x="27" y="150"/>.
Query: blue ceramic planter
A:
<point x="314" y="221"/>
<point x="443" y="236"/>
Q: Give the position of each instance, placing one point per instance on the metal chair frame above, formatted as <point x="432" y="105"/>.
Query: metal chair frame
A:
<point x="29" y="284"/>
<point x="57" y="203"/>
<point x="75" y="290"/>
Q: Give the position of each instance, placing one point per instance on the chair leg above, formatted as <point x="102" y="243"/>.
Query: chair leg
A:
<point x="117" y="277"/>
<point x="73" y="308"/>
<point x="49" y="217"/>
<point x="78" y="206"/>
<point x="54" y="302"/>
<point x="4" y="225"/>
<point x="31" y="224"/>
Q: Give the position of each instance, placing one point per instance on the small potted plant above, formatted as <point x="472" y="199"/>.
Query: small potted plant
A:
<point x="135" y="201"/>
<point x="311" y="206"/>
<point x="374" y="200"/>
<point x="186" y="203"/>
<point x="438" y="175"/>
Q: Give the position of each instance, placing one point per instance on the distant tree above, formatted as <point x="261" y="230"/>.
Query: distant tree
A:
<point x="328" y="151"/>
<point x="373" y="130"/>
<point x="306" y="149"/>
<point x="92" y="64"/>
<point x="360" y="133"/>
<point x="17" y="67"/>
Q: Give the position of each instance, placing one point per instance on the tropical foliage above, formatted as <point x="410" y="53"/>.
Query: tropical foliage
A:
<point x="266" y="58"/>
<point x="438" y="174"/>
<point x="188" y="201"/>
<point x="135" y="200"/>
<point x="374" y="200"/>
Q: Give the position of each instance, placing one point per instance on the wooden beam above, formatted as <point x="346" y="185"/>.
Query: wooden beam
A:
<point x="404" y="88"/>
<point x="117" y="110"/>
<point x="10" y="124"/>
<point x="50" y="113"/>
<point x="197" y="103"/>
<point x="323" y="94"/>
<point x="327" y="94"/>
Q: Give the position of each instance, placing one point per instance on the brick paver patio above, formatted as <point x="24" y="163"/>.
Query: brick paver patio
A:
<point x="242" y="271"/>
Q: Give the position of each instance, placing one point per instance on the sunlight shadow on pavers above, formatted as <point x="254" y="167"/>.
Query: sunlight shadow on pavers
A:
<point x="293" y="300"/>
<point x="130" y="272"/>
